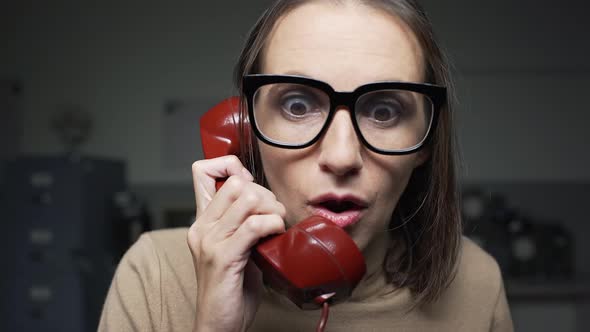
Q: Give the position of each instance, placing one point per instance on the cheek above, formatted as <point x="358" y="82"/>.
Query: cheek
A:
<point x="387" y="177"/>
<point x="390" y="179"/>
<point x="278" y="165"/>
<point x="285" y="173"/>
<point x="392" y="172"/>
<point x="271" y="166"/>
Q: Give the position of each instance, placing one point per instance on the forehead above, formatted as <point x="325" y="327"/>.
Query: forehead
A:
<point x="345" y="45"/>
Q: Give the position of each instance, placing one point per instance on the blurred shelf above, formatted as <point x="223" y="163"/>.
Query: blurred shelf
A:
<point x="548" y="291"/>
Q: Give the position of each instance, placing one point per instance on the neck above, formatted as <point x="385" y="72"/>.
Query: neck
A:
<point x="374" y="282"/>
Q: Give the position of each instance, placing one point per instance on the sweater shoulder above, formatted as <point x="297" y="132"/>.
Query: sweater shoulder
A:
<point x="173" y="254"/>
<point x="169" y="241"/>
<point x="478" y="280"/>
<point x="160" y="254"/>
<point x="474" y="290"/>
<point x="178" y="282"/>
<point x="478" y="268"/>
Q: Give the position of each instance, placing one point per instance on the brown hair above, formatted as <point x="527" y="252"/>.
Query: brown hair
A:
<point x="427" y="212"/>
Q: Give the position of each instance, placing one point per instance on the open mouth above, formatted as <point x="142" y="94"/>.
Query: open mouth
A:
<point x="342" y="211"/>
<point x="337" y="206"/>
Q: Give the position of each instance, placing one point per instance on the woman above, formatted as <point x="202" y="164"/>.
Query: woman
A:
<point x="377" y="162"/>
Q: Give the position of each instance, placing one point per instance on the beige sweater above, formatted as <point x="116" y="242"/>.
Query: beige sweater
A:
<point x="154" y="290"/>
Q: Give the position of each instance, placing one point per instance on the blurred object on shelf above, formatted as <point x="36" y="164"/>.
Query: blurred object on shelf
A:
<point x="557" y="248"/>
<point x="524" y="249"/>
<point x="73" y="126"/>
<point x="523" y="246"/>
<point x="485" y="225"/>
<point x="131" y="219"/>
<point x="541" y="251"/>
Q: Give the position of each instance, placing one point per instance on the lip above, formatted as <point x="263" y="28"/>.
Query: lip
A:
<point x="341" y="219"/>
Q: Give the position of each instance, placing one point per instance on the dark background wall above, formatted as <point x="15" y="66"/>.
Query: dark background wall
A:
<point x="521" y="70"/>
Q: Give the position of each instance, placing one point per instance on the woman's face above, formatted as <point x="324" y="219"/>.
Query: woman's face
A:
<point x="345" y="46"/>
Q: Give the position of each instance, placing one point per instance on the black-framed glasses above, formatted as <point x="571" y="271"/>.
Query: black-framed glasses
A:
<point x="293" y="112"/>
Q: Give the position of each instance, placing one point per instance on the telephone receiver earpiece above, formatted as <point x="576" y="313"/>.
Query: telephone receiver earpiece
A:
<point x="313" y="261"/>
<point x="219" y="131"/>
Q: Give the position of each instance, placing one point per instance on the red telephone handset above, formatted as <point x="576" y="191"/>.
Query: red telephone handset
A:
<point x="311" y="262"/>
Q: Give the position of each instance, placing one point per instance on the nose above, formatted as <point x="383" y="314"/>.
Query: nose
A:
<point x="340" y="148"/>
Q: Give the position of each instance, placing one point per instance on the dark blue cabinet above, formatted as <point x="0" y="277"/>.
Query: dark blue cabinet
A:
<point x="58" y="216"/>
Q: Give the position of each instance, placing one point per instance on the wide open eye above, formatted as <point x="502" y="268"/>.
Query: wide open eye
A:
<point x="299" y="104"/>
<point x="381" y="112"/>
<point x="393" y="119"/>
<point x="290" y="113"/>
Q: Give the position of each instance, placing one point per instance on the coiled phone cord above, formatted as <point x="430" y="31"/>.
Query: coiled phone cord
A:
<point x="323" y="301"/>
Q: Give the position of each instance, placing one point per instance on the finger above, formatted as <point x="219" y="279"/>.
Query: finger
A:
<point x="206" y="172"/>
<point x="254" y="200"/>
<point x="251" y="231"/>
<point x="223" y="199"/>
<point x="229" y="193"/>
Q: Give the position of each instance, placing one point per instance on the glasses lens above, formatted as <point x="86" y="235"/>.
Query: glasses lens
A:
<point x="394" y="120"/>
<point x="290" y="114"/>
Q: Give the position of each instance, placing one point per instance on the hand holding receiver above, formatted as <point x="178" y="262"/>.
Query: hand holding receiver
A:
<point x="229" y="222"/>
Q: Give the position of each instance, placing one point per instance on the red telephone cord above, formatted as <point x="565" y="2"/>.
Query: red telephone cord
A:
<point x="324" y="318"/>
<point x="323" y="301"/>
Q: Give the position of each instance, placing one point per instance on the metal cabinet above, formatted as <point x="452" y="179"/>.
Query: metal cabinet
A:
<point x="58" y="219"/>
